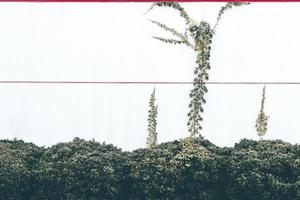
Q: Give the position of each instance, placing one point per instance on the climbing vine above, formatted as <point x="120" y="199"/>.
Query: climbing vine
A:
<point x="199" y="38"/>
<point x="152" y="122"/>
<point x="262" y="119"/>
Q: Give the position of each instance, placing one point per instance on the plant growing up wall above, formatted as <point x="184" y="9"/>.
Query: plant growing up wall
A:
<point x="197" y="36"/>
<point x="262" y="119"/>
<point x="152" y="122"/>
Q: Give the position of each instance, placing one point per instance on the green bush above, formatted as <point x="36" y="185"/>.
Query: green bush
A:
<point x="81" y="170"/>
<point x="186" y="169"/>
<point x="18" y="164"/>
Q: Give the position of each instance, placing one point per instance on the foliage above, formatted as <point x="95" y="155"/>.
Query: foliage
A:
<point x="81" y="170"/>
<point x="152" y="122"/>
<point x="262" y="119"/>
<point x="199" y="38"/>
<point x="228" y="6"/>
<point x="191" y="168"/>
<point x="18" y="161"/>
<point x="264" y="170"/>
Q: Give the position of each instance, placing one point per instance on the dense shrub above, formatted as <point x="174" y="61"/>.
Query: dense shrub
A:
<point x="81" y="170"/>
<point x="185" y="169"/>
<point x="18" y="161"/>
<point x="264" y="170"/>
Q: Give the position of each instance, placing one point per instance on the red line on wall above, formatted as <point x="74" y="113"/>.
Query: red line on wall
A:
<point x="143" y="1"/>
<point x="153" y="82"/>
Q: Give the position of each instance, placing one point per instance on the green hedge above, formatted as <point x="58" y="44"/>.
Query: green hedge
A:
<point x="82" y="169"/>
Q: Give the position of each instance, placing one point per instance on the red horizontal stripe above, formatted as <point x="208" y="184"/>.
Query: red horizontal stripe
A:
<point x="152" y="82"/>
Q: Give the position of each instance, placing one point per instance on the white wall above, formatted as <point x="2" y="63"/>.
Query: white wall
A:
<point x="112" y="42"/>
